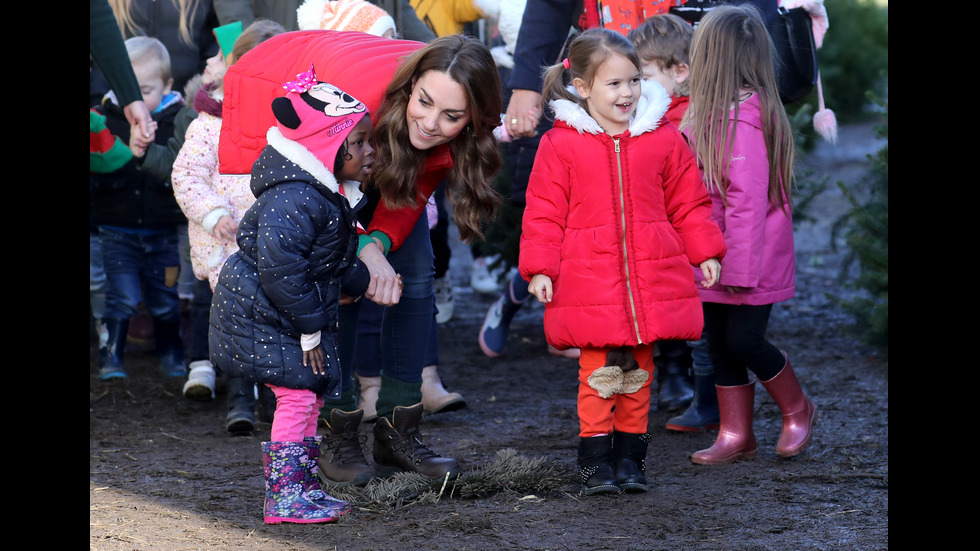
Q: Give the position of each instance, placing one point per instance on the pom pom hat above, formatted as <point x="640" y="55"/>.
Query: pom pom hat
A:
<point x="344" y="15"/>
<point x="317" y="115"/>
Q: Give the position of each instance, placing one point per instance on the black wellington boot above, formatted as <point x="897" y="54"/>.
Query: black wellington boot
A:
<point x="595" y="464"/>
<point x="241" y="406"/>
<point x="703" y="413"/>
<point x="111" y="355"/>
<point x="629" y="458"/>
<point x="676" y="388"/>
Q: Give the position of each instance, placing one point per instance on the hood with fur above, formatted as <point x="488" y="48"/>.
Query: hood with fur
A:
<point x="650" y="110"/>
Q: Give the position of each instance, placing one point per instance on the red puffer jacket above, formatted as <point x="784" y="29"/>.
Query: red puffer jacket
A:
<point x="358" y="63"/>
<point x="617" y="222"/>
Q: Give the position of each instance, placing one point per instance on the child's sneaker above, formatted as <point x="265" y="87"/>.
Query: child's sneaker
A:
<point x="444" y="299"/>
<point x="112" y="372"/>
<point x="493" y="334"/>
<point x="200" y="381"/>
<point x="482" y="278"/>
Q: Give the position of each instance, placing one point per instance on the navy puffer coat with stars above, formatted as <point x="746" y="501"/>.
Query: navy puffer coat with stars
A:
<point x="297" y="254"/>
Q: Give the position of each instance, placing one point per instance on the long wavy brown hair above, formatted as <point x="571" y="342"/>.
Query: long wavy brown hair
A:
<point x="476" y="159"/>
<point x="731" y="55"/>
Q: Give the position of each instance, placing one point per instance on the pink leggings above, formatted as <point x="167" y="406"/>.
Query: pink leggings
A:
<point x="296" y="414"/>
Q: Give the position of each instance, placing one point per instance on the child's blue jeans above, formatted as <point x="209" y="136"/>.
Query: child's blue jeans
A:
<point x="135" y="267"/>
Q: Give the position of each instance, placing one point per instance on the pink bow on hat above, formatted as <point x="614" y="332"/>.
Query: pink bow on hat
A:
<point x="305" y="81"/>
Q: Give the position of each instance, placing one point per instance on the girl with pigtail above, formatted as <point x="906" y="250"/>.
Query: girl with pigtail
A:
<point x="616" y="216"/>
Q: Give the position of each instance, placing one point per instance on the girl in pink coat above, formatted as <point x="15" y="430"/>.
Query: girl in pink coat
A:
<point x="744" y="144"/>
<point x="616" y="215"/>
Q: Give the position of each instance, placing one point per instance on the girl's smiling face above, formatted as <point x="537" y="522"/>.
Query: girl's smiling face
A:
<point x="437" y="110"/>
<point x="611" y="98"/>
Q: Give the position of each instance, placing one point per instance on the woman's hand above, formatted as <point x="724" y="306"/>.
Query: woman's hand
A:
<point x="523" y="113"/>
<point x="711" y="269"/>
<point x="541" y="287"/>
<point x="385" y="287"/>
<point x="314" y="359"/>
<point x="138" y="142"/>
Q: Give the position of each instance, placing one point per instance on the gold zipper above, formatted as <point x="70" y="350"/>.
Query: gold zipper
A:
<point x="626" y="265"/>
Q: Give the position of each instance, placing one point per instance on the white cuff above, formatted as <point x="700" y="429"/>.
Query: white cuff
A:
<point x="309" y="342"/>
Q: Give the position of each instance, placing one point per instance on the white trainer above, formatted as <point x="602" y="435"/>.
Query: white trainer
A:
<point x="444" y="299"/>
<point x="200" y="381"/>
<point x="482" y="278"/>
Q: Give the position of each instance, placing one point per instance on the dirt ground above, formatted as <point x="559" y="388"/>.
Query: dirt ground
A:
<point x="163" y="474"/>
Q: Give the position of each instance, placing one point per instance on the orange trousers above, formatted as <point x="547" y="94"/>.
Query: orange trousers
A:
<point x="621" y="412"/>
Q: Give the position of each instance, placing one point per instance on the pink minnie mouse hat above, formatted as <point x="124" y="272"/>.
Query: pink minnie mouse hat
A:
<point x="317" y="115"/>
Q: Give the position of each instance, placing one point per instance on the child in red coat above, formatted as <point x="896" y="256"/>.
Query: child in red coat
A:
<point x="616" y="216"/>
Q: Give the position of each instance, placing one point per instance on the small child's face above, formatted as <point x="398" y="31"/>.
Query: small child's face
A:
<point x="358" y="167"/>
<point x="215" y="69"/>
<point x="668" y="78"/>
<point x="151" y="84"/>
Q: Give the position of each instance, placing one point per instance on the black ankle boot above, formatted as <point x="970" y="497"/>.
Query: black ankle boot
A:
<point x="629" y="456"/>
<point x="595" y="464"/>
<point x="398" y="447"/>
<point x="241" y="406"/>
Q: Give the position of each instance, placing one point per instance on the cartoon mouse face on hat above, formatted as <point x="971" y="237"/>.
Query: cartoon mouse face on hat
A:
<point x="317" y="115"/>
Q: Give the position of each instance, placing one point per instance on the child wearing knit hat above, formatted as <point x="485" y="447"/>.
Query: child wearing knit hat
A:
<point x="274" y="315"/>
<point x="345" y="15"/>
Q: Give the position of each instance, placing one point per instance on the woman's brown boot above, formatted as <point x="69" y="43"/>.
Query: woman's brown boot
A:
<point x="342" y="461"/>
<point x="398" y="447"/>
<point x="735" y="437"/>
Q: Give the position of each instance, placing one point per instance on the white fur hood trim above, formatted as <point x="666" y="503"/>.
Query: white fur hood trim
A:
<point x="295" y="152"/>
<point x="650" y="109"/>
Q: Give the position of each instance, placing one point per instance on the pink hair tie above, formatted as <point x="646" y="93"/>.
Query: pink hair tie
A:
<point x="565" y="63"/>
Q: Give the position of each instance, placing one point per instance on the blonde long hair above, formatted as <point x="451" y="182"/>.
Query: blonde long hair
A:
<point x="476" y="159"/>
<point x="187" y="9"/>
<point x="732" y="52"/>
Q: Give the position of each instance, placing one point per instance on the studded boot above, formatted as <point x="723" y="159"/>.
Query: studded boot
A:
<point x="629" y="458"/>
<point x="595" y="465"/>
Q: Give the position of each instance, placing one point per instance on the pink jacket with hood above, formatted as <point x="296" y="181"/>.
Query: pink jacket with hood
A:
<point x="761" y="256"/>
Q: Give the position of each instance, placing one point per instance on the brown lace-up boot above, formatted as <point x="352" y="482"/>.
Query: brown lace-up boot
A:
<point x="342" y="461"/>
<point x="398" y="447"/>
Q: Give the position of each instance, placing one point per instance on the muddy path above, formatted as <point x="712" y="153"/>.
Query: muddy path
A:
<point x="164" y="475"/>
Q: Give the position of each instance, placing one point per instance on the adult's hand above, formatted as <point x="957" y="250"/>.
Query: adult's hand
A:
<point x="523" y="113"/>
<point x="385" y="287"/>
<point x="138" y="115"/>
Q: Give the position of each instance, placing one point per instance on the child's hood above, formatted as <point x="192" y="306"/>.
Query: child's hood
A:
<point x="650" y="109"/>
<point x="306" y="160"/>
